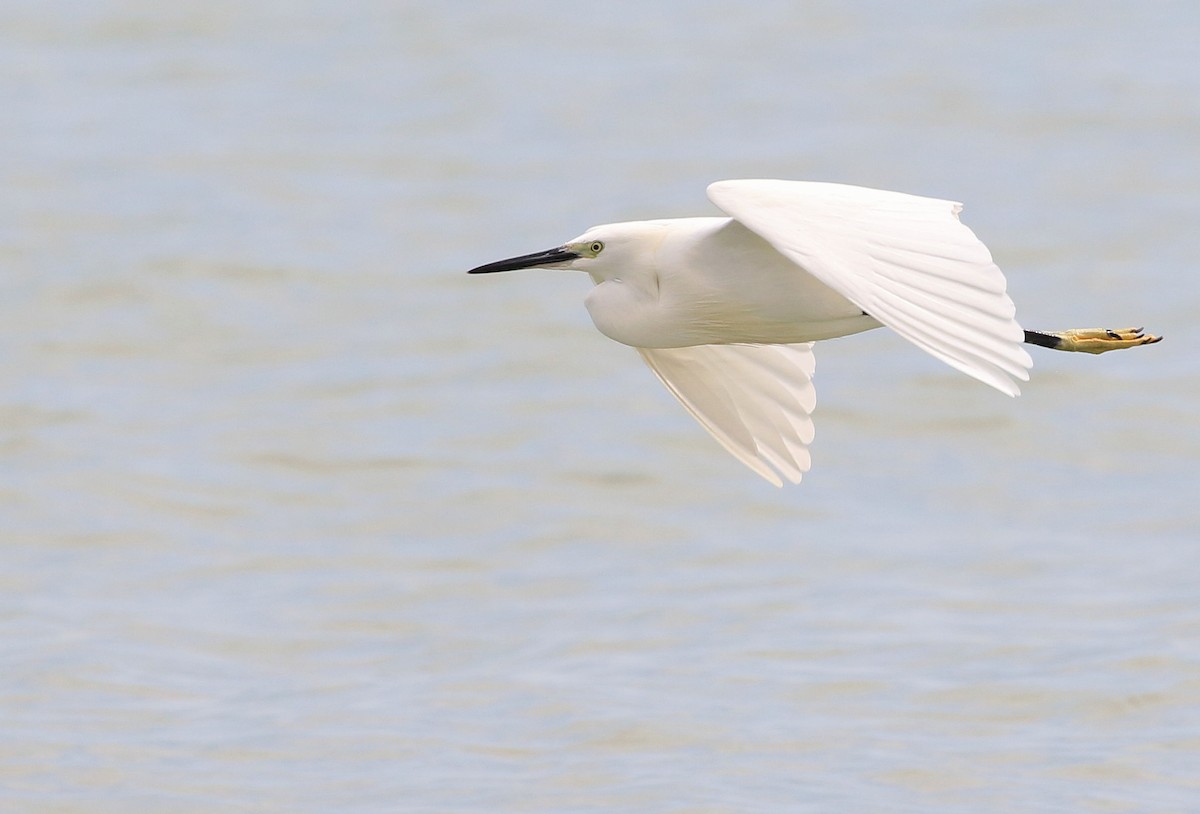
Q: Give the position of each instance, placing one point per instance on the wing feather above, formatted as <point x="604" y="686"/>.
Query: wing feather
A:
<point x="906" y="260"/>
<point x="756" y="400"/>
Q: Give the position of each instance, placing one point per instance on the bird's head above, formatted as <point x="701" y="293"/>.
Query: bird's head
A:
<point x="600" y="251"/>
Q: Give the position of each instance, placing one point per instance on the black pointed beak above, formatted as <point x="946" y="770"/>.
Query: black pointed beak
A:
<point x="558" y="255"/>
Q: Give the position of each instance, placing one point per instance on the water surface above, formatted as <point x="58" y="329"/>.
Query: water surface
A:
<point x="295" y="516"/>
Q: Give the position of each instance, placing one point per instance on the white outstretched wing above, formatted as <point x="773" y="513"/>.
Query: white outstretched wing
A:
<point x="905" y="260"/>
<point x="756" y="400"/>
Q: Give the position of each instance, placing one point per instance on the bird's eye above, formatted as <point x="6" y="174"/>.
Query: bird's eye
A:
<point x="595" y="247"/>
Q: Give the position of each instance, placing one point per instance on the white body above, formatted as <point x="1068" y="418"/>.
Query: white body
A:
<point x="705" y="281"/>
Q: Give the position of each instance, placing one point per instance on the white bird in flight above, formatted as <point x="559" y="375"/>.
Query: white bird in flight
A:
<point x="725" y="310"/>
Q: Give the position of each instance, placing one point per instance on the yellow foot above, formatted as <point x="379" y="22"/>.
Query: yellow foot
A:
<point x="1097" y="340"/>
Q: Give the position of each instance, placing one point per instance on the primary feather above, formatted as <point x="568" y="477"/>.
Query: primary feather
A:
<point x="756" y="400"/>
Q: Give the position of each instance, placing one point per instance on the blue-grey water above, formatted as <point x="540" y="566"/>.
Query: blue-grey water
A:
<point x="296" y="516"/>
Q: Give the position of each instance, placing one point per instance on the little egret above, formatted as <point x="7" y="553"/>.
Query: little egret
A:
<point x="725" y="310"/>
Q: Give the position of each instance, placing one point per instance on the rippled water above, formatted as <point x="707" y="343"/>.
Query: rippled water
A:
<point x="295" y="516"/>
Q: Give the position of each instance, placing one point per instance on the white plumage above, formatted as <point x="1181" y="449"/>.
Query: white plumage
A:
<point x="756" y="400"/>
<point x="724" y="310"/>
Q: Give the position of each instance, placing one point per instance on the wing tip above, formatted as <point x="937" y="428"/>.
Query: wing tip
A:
<point x="768" y="431"/>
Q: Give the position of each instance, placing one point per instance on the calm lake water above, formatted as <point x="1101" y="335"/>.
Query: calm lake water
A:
<point x="296" y="516"/>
